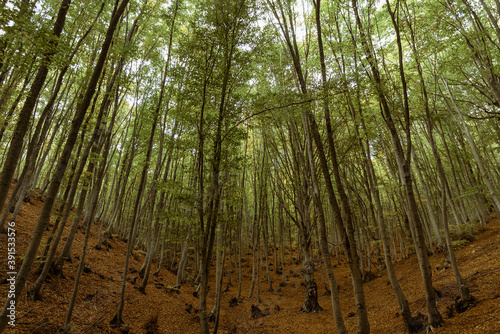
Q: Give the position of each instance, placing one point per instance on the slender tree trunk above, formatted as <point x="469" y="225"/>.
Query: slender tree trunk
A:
<point x="91" y="147"/>
<point x="183" y="260"/>
<point x="434" y="317"/>
<point x="323" y="242"/>
<point x="484" y="173"/>
<point x="88" y="220"/>
<point x="23" y="123"/>
<point x="44" y="217"/>
<point x="391" y="273"/>
<point x="219" y="268"/>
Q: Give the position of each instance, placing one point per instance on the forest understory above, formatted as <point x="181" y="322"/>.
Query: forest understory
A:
<point x="163" y="309"/>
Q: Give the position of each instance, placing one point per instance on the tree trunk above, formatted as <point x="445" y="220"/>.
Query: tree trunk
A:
<point x="88" y="220"/>
<point x="434" y="317"/>
<point x="44" y="217"/>
<point x="323" y="241"/>
<point x="15" y="148"/>
<point x="462" y="124"/>
<point x="94" y="146"/>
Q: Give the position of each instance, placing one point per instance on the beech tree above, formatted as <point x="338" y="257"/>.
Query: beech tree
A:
<point x="265" y="132"/>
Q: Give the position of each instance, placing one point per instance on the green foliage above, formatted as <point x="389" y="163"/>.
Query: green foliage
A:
<point x="472" y="192"/>
<point x="462" y="235"/>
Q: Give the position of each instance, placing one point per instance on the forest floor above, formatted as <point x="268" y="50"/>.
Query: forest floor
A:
<point x="99" y="292"/>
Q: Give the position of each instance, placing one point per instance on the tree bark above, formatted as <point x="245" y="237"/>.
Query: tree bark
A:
<point x="44" y="217"/>
<point x="23" y="123"/>
<point x="434" y="317"/>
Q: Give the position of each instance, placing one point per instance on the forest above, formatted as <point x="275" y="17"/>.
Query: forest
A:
<point x="237" y="144"/>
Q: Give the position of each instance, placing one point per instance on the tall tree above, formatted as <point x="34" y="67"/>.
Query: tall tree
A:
<point x="24" y="117"/>
<point x="44" y="217"/>
<point x="403" y="160"/>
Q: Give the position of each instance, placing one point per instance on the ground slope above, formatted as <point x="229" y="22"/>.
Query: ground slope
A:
<point x="99" y="289"/>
